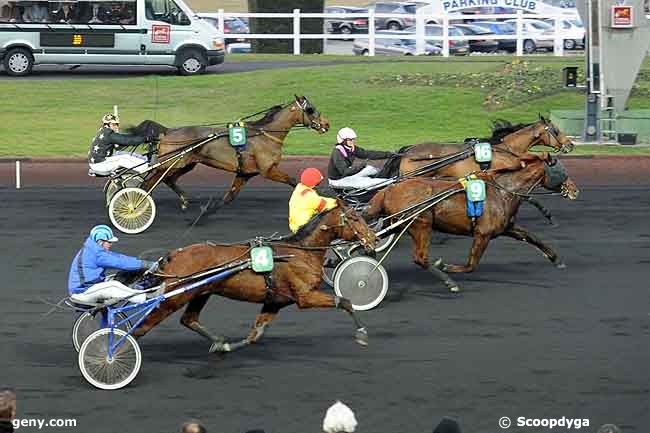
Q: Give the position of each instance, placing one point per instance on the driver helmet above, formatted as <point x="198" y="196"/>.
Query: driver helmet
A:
<point x="102" y="233"/>
<point x="110" y="119"/>
<point x="345" y="134"/>
<point x="311" y="177"/>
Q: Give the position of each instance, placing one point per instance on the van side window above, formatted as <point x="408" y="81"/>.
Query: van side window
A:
<point x="166" y="11"/>
<point x="20" y="11"/>
<point x="103" y="12"/>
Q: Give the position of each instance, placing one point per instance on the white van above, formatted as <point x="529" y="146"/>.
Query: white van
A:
<point x="115" y="32"/>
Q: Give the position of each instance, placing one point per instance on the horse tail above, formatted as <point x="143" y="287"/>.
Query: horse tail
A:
<point x="147" y="128"/>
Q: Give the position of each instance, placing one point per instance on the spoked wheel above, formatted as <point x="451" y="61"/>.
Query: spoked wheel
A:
<point x="362" y="281"/>
<point x="132" y="210"/>
<point x="113" y="185"/>
<point x="86" y="324"/>
<point x="113" y="373"/>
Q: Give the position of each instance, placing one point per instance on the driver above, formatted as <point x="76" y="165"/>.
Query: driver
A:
<point x="305" y="201"/>
<point x="101" y="159"/>
<point x="341" y="173"/>
<point x="87" y="281"/>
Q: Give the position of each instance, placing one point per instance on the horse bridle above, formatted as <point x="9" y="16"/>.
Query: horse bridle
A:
<point x="344" y="221"/>
<point x="308" y="110"/>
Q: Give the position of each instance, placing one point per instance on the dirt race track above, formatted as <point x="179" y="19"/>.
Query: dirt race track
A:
<point x="524" y="340"/>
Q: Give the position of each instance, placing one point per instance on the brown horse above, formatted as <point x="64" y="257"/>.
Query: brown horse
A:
<point x="294" y="280"/>
<point x="262" y="154"/>
<point x="504" y="193"/>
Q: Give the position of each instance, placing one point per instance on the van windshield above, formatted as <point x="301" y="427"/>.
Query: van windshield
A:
<point x="166" y="11"/>
<point x="95" y="12"/>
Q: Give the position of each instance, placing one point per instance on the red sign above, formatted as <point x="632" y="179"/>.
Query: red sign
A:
<point x="161" y="34"/>
<point x="622" y="16"/>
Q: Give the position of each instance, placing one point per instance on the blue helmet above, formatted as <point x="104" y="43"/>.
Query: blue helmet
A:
<point x="102" y="233"/>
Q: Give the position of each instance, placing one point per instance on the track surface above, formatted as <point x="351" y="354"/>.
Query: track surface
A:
<point x="525" y="339"/>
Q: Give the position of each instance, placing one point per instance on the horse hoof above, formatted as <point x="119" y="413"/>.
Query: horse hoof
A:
<point x="362" y="337"/>
<point x="183" y="207"/>
<point x="454" y="289"/>
<point x="560" y="265"/>
<point x="438" y="264"/>
<point x="219" y="346"/>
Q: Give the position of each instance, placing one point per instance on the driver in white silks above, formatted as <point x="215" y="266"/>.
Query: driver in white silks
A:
<point x="101" y="159"/>
<point x="341" y="173"/>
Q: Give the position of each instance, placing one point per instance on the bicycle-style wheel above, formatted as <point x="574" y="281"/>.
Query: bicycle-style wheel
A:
<point x="113" y="185"/>
<point x="113" y="373"/>
<point x="86" y="324"/>
<point x="132" y="210"/>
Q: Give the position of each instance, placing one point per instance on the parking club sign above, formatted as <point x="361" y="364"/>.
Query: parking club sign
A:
<point x="161" y="34"/>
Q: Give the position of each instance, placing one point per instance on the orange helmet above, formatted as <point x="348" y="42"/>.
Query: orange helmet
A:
<point x="311" y="177"/>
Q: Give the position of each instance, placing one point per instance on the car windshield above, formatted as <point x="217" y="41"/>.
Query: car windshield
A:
<point x="540" y="25"/>
<point x="410" y="9"/>
<point x="453" y="31"/>
<point x="576" y="23"/>
<point x="408" y="42"/>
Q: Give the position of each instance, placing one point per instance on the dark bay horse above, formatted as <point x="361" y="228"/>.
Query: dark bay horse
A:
<point x="504" y="191"/>
<point x="294" y="280"/>
<point x="262" y="154"/>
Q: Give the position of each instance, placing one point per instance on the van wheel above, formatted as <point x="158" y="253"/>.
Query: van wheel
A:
<point x="18" y="62"/>
<point x="192" y="62"/>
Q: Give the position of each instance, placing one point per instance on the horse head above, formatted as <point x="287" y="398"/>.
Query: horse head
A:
<point x="351" y="226"/>
<point x="310" y="116"/>
<point x="547" y="134"/>
<point x="555" y="176"/>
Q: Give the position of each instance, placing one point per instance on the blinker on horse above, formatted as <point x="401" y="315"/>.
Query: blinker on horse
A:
<point x="293" y="280"/>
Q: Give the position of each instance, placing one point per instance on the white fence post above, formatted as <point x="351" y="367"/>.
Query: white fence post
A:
<point x="520" y="33"/>
<point x="445" y="35"/>
<point x="371" y="32"/>
<point x="296" y="32"/>
<point x="221" y="22"/>
<point x="17" y="174"/>
<point x="115" y="112"/>
<point x="419" y="33"/>
<point x="558" y="50"/>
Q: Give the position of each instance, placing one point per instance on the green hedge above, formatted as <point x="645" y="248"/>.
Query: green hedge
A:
<point x="285" y="25"/>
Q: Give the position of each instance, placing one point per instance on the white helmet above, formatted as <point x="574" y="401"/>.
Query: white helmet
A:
<point x="345" y="134"/>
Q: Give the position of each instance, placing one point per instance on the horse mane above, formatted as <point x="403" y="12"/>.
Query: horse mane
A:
<point x="501" y="128"/>
<point x="268" y="116"/>
<point x="308" y="228"/>
<point x="147" y="127"/>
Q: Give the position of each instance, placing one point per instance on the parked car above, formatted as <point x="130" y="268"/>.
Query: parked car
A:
<point x="573" y="32"/>
<point x="532" y="29"/>
<point x="230" y="25"/>
<point x="500" y="28"/>
<point x="393" y="46"/>
<point x="477" y="43"/>
<point x="346" y="26"/>
<point x="397" y="21"/>
<point x="456" y="48"/>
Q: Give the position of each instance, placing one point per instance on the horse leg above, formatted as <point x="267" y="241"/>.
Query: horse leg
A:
<point x="421" y="235"/>
<point x="540" y="207"/>
<point x="171" y="179"/>
<point x="277" y="175"/>
<point x="479" y="245"/>
<point x="190" y="318"/>
<point x="263" y="319"/>
<point x="521" y="234"/>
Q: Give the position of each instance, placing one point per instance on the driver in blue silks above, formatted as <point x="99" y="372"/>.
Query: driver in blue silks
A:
<point x="86" y="280"/>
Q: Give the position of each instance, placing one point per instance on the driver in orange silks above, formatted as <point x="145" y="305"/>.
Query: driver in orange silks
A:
<point x="305" y="202"/>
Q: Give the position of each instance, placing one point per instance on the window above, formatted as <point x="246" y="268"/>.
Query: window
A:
<point x="105" y="12"/>
<point x="20" y="11"/>
<point x="166" y="11"/>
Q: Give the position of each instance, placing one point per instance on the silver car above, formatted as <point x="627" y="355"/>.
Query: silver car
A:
<point x="393" y="47"/>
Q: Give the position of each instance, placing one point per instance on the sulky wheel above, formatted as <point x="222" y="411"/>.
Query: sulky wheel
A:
<point x="132" y="210"/>
<point x="384" y="241"/>
<point x="113" y="185"/>
<point x="86" y="324"/>
<point x="113" y="373"/>
<point x="362" y="281"/>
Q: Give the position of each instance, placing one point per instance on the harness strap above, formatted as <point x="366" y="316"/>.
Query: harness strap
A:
<point x="80" y="267"/>
<point x="342" y="150"/>
<point x="272" y="137"/>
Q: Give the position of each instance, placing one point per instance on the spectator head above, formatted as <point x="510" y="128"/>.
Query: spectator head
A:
<point x="193" y="427"/>
<point x="608" y="428"/>
<point x="339" y="418"/>
<point x="7" y="405"/>
<point x="447" y="425"/>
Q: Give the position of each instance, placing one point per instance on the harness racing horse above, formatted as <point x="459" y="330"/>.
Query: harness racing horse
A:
<point x="262" y="155"/>
<point x="504" y="193"/>
<point x="294" y="280"/>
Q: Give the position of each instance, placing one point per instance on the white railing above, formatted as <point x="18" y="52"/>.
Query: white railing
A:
<point x="557" y="35"/>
